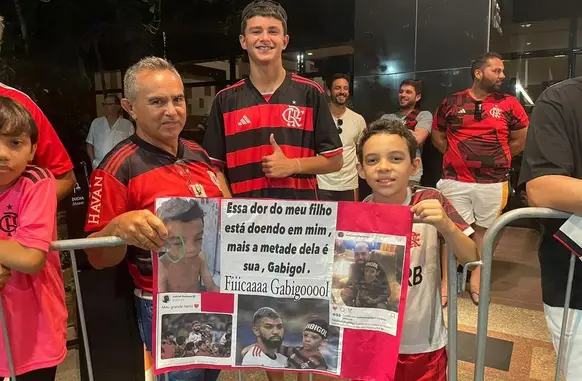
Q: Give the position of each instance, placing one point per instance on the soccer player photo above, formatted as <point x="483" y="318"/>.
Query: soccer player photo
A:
<point x="190" y="335"/>
<point x="290" y="334"/>
<point x="366" y="281"/>
<point x="189" y="262"/>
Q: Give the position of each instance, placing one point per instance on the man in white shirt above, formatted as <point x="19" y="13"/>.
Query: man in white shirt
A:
<point x="343" y="184"/>
<point x="107" y="131"/>
<point x="268" y="328"/>
<point x="419" y="122"/>
<point x="196" y="334"/>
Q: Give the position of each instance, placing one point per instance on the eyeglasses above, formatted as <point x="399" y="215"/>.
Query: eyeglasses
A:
<point x="182" y="169"/>
<point x="339" y="126"/>
<point x="166" y="251"/>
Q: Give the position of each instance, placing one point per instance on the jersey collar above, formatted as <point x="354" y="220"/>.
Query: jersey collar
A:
<point x="280" y="90"/>
<point x="156" y="150"/>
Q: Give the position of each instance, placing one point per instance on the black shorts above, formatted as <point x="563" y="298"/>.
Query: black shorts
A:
<point x="46" y="374"/>
<point x="327" y="195"/>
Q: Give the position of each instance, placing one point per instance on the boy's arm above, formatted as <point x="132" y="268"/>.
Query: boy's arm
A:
<point x="206" y="277"/>
<point x="432" y="212"/>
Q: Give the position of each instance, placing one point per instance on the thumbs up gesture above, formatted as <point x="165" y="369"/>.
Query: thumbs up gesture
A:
<point x="277" y="165"/>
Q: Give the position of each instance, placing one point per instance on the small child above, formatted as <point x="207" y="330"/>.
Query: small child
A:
<point x="184" y="265"/>
<point x="387" y="158"/>
<point x="373" y="290"/>
<point x="308" y="356"/>
<point x="31" y="282"/>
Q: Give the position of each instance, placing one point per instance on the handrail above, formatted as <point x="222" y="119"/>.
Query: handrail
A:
<point x="86" y="243"/>
<point x="489" y="243"/>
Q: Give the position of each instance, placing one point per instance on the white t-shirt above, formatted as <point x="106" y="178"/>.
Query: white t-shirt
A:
<point x="424" y="329"/>
<point x="103" y="138"/>
<point x="194" y="337"/>
<point x="256" y="357"/>
<point x="424" y="121"/>
<point x="346" y="178"/>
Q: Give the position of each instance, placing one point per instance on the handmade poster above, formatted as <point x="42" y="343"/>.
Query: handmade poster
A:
<point x="570" y="235"/>
<point x="302" y="285"/>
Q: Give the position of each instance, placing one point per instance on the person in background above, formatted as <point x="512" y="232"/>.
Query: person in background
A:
<point x="478" y="131"/>
<point x="343" y="184"/>
<point x="31" y="280"/>
<point x="106" y="131"/>
<point x="417" y="121"/>
<point x="50" y="152"/>
<point x="552" y="174"/>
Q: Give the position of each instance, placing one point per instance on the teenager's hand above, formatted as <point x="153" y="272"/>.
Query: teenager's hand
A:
<point x="140" y="228"/>
<point x="278" y="165"/>
<point x="5" y="275"/>
<point x="432" y="212"/>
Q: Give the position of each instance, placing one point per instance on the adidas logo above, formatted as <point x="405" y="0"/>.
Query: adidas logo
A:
<point x="462" y="112"/>
<point x="244" y="121"/>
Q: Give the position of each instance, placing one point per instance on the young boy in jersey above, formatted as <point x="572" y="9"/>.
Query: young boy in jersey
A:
<point x="387" y="158"/>
<point x="373" y="290"/>
<point x="33" y="293"/>
<point x="183" y="265"/>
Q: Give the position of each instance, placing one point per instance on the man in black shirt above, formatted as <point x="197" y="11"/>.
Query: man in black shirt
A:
<point x="552" y="174"/>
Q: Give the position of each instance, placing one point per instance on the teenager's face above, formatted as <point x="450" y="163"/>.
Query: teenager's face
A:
<point x="15" y="153"/>
<point x="311" y="341"/>
<point x="386" y="167"/>
<point x="264" y="39"/>
<point x="185" y="238"/>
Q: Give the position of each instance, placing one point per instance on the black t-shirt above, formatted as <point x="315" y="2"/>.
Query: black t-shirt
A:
<point x="554" y="147"/>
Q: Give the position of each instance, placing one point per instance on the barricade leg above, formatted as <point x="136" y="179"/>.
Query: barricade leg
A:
<point x="562" y="343"/>
<point x="81" y="314"/>
<point x="7" y="342"/>
<point x="452" y="315"/>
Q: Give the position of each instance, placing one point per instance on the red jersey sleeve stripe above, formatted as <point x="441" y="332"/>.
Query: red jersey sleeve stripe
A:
<point x="332" y="153"/>
<point x="131" y="151"/>
<point x="264" y="183"/>
<point x="238" y="84"/>
<point x="113" y="159"/>
<point x="255" y="154"/>
<point x="306" y="81"/>
<point x="217" y="162"/>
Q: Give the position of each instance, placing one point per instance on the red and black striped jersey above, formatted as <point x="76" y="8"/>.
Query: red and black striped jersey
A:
<point x="133" y="175"/>
<point x="478" y="145"/>
<point x="298" y="359"/>
<point x="241" y="121"/>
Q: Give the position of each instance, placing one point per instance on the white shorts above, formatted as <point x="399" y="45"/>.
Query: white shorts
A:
<point x="572" y="358"/>
<point x="479" y="204"/>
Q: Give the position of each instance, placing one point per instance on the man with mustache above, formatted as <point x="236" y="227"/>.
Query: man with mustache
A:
<point x="268" y="328"/>
<point x="343" y="184"/>
<point x="419" y="122"/>
<point x="478" y="131"/>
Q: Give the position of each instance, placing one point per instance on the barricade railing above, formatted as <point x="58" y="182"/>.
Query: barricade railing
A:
<point x="489" y="243"/>
<point x="456" y="284"/>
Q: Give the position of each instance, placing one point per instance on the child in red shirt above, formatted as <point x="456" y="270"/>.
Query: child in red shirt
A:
<point x="32" y="289"/>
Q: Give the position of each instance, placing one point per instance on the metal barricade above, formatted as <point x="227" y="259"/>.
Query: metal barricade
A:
<point x="489" y="243"/>
<point x="456" y="284"/>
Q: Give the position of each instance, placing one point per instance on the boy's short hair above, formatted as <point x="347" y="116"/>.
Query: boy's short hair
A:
<point x="15" y="120"/>
<point x="390" y="127"/>
<point x="180" y="209"/>
<point x="318" y="326"/>
<point x="263" y="8"/>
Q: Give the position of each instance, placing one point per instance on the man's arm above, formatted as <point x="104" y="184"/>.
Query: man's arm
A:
<point x="224" y="187"/>
<point x="423" y="127"/>
<point x="556" y="192"/>
<point x="439" y="140"/>
<point x="439" y="128"/>
<point x="65" y="184"/>
<point x="90" y="152"/>
<point x="518" y="123"/>
<point x="517" y="141"/>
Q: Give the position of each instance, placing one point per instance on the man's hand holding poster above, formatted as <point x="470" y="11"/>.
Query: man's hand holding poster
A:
<point x="306" y="286"/>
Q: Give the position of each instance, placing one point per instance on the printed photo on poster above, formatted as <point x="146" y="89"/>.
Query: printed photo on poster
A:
<point x="190" y="261"/>
<point x="367" y="277"/>
<point x="187" y="335"/>
<point x="283" y="333"/>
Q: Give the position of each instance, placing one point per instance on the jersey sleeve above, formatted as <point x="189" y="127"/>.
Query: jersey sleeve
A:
<point x="107" y="200"/>
<point x="518" y="119"/>
<point x="50" y="152"/>
<point x="214" y="138"/>
<point x="37" y="214"/>
<point x="439" y="122"/>
<point x="327" y="139"/>
<point x="455" y="216"/>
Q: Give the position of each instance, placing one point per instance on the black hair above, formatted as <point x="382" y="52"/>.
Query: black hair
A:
<point x="390" y="127"/>
<point x="15" y="120"/>
<point x="263" y="8"/>
<point x="180" y="209"/>
<point x="335" y="78"/>
<point x="265" y="312"/>
<point x="417" y="84"/>
<point x="479" y="63"/>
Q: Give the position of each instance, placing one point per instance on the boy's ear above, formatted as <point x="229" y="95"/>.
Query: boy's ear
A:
<point x="360" y="170"/>
<point x="416" y="163"/>
<point x="32" y="152"/>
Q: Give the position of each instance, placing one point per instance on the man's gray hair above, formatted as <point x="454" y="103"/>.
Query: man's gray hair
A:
<point x="146" y="63"/>
<point x="265" y="312"/>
